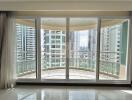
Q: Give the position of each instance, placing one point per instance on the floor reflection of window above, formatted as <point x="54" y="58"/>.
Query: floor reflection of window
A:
<point x="55" y="95"/>
<point x="82" y="95"/>
<point x="27" y="96"/>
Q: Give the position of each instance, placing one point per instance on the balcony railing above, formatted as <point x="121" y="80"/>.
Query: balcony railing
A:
<point x="111" y="69"/>
<point x="25" y="67"/>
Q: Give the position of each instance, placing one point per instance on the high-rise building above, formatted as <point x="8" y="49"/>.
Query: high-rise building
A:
<point x="53" y="48"/>
<point x="110" y="49"/>
<point x="25" y="42"/>
<point x="110" y="43"/>
<point x="26" y="48"/>
<point x="83" y="48"/>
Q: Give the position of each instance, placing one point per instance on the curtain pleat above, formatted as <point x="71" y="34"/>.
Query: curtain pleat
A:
<point x="7" y="50"/>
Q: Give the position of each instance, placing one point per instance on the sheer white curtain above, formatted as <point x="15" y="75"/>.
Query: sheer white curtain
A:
<point x="7" y="50"/>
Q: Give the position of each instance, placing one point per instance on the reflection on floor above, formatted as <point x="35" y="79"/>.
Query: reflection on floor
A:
<point x="66" y="93"/>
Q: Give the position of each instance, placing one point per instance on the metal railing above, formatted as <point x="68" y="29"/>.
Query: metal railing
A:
<point x="25" y="67"/>
<point x="107" y="68"/>
<point x="110" y="68"/>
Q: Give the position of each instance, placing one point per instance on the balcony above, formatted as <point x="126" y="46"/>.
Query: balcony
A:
<point x="114" y="71"/>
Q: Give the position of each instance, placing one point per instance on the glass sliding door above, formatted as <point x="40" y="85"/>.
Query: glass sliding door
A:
<point x="26" y="48"/>
<point x="82" y="48"/>
<point x="53" y="34"/>
<point x="113" y="49"/>
<point x="72" y="49"/>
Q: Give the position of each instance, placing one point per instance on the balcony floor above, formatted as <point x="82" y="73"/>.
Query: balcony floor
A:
<point x="73" y="74"/>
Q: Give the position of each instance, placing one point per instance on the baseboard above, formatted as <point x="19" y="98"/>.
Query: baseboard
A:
<point x="73" y="84"/>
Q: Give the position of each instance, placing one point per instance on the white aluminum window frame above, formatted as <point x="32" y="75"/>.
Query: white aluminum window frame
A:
<point x="67" y="80"/>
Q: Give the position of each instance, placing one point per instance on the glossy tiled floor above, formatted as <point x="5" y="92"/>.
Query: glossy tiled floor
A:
<point x="66" y="93"/>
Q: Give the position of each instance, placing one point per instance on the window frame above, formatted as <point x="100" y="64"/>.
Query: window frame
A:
<point x="67" y="80"/>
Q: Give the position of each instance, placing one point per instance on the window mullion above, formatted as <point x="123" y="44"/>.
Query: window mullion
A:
<point x="98" y="48"/>
<point x="38" y="45"/>
<point x="67" y="48"/>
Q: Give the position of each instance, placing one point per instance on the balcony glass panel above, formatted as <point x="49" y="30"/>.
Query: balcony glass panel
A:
<point x="53" y="53"/>
<point x="82" y="48"/>
<point x="113" y="49"/>
<point x="26" y="48"/>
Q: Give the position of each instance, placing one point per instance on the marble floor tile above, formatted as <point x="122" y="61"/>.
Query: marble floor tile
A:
<point x="66" y="93"/>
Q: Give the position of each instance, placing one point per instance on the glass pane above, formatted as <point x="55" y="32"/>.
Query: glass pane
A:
<point x="26" y="48"/>
<point x="113" y="49"/>
<point x="82" y="46"/>
<point x="53" y="34"/>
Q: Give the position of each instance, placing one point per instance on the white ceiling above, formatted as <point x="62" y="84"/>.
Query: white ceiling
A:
<point x="73" y="21"/>
<point x="65" y="5"/>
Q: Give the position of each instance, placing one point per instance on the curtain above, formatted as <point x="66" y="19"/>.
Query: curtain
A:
<point x="7" y="50"/>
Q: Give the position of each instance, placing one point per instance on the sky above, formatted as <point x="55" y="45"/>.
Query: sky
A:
<point x="83" y="38"/>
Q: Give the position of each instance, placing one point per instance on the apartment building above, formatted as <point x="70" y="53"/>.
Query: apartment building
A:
<point x="53" y="48"/>
<point x="26" y="48"/>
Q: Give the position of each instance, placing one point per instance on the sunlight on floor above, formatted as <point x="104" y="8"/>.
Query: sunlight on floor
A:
<point x="127" y="91"/>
